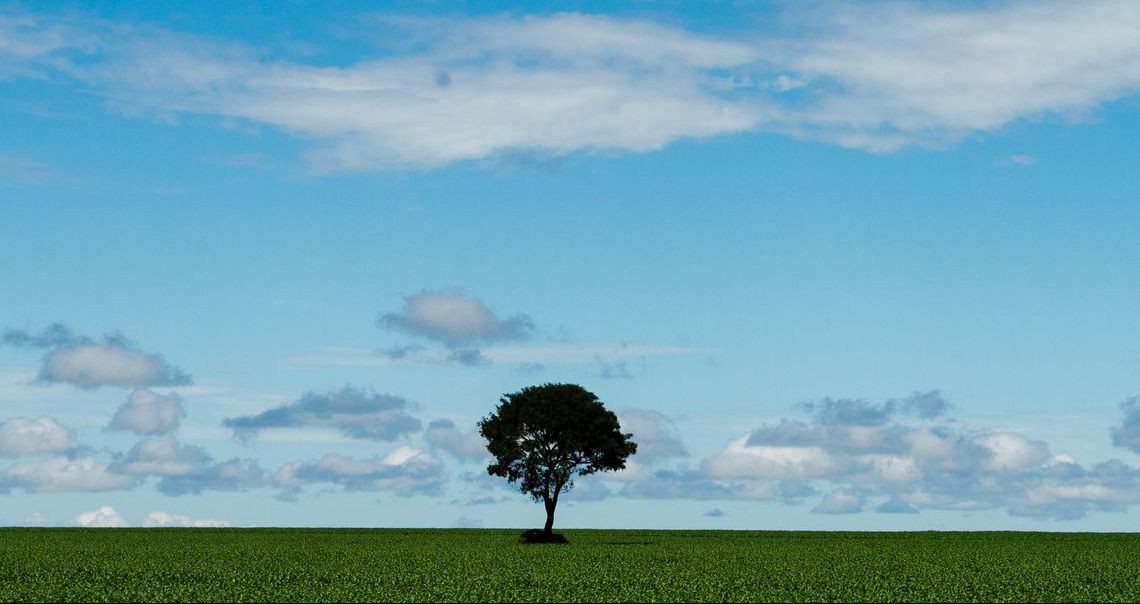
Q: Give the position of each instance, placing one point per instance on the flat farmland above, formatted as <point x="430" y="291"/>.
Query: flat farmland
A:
<point x="303" y="565"/>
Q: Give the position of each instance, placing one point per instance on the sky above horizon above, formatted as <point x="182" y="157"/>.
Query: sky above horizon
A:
<point x="835" y="266"/>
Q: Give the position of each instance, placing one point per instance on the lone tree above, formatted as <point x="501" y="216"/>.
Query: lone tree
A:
<point x="544" y="436"/>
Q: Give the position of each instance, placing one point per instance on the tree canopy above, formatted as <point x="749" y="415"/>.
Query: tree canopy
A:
<point x="542" y="437"/>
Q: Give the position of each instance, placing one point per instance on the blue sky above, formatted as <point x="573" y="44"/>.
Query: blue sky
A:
<point x="835" y="266"/>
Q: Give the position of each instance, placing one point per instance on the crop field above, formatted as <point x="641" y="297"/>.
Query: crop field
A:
<point x="598" y="565"/>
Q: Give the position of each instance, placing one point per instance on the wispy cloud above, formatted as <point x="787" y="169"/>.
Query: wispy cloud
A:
<point x="16" y="169"/>
<point x="355" y="412"/>
<point x="404" y="471"/>
<point x="881" y="76"/>
<point x="877" y="76"/>
<point x="530" y="357"/>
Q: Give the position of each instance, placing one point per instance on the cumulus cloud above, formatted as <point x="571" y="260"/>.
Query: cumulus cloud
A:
<point x="95" y="365"/>
<point x="104" y="517"/>
<point x="163" y="519"/>
<point x="82" y="361"/>
<point x="21" y="436"/>
<point x="187" y="469"/>
<point x="442" y="434"/>
<point x="355" y="412"/>
<point x="404" y="471"/>
<point x="148" y="413"/>
<point x="63" y="474"/>
<point x="162" y="457"/>
<point x="455" y="318"/>
<point x="1127" y="434"/>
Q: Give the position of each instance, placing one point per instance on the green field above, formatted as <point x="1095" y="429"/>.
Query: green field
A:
<point x="449" y="565"/>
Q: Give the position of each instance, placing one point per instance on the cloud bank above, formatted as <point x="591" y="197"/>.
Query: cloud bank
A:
<point x="902" y="456"/>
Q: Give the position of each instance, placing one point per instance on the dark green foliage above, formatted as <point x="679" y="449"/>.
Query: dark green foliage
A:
<point x="544" y="436"/>
<point x="354" y="565"/>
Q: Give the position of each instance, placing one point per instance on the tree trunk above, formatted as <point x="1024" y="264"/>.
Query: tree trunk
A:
<point x="549" y="528"/>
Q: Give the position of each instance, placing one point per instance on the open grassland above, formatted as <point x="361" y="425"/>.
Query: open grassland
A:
<point x="303" y="565"/>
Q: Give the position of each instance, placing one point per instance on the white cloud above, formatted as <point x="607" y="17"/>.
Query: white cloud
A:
<point x="893" y="468"/>
<point x="104" y="517"/>
<point x="94" y="365"/>
<point x="906" y="456"/>
<point x="63" y="474"/>
<point x="892" y="74"/>
<point x="404" y="471"/>
<point x="876" y="76"/>
<point x="148" y="413"/>
<point x="163" y="519"/>
<point x="187" y="469"/>
<point x="474" y="89"/>
<point x="26" y="436"/>
<point x="454" y="318"/>
<point x="163" y="456"/>
<point x="655" y="434"/>
<point x="355" y="412"/>
<point x="1013" y="452"/>
<point x="741" y="460"/>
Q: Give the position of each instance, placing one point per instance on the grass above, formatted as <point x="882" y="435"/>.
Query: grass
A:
<point x="488" y="565"/>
